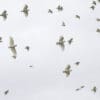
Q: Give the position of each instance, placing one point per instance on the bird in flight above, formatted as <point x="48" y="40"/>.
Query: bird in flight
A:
<point x="94" y="89"/>
<point x="61" y="42"/>
<point x="6" y="92"/>
<point x="77" y="16"/>
<point x="4" y="14"/>
<point x="70" y="41"/>
<point x="12" y="47"/>
<point x="0" y="39"/>
<point x="25" y="10"/>
<point x="77" y="63"/>
<point x="94" y="2"/>
<point x="27" y="48"/>
<point x="80" y="88"/>
<point x="67" y="70"/>
<point x="59" y="8"/>
<point x="50" y="11"/>
<point x="92" y="7"/>
<point x="98" y="19"/>
<point x="63" y="24"/>
<point x="98" y="30"/>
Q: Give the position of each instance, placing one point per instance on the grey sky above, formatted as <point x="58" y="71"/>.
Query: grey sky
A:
<point x="41" y="31"/>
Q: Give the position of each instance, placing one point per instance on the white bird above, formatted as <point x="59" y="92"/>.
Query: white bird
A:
<point x="12" y="47"/>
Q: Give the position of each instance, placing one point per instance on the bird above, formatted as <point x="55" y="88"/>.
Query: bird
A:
<point x="30" y="66"/>
<point x="50" y="11"/>
<point x="61" y="42"/>
<point x="98" y="30"/>
<point x="67" y="70"/>
<point x="94" y="89"/>
<point x="12" y="47"/>
<point x="80" y="88"/>
<point x="6" y="92"/>
<point x="94" y="2"/>
<point x="98" y="0"/>
<point x="63" y="24"/>
<point x="77" y="16"/>
<point x="25" y="10"/>
<point x="0" y="39"/>
<point x="77" y="63"/>
<point x="70" y="41"/>
<point x="4" y="14"/>
<point x="27" y="48"/>
<point x="59" y="8"/>
<point x="98" y="19"/>
<point x="77" y="89"/>
<point x="92" y="7"/>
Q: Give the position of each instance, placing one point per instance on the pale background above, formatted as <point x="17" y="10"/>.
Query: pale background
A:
<point x="40" y="30"/>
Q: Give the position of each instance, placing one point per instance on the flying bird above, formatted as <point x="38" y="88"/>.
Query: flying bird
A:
<point x="77" y="16"/>
<point x="77" y="63"/>
<point x="0" y="39"/>
<point x="94" y="2"/>
<point x="94" y="89"/>
<point x="80" y="88"/>
<point x="63" y="24"/>
<point x="50" y="11"/>
<point x="98" y="30"/>
<point x="25" y="10"/>
<point x="70" y="41"/>
<point x="6" y="92"/>
<point x="4" y="14"/>
<point x="67" y="70"/>
<point x="98" y="19"/>
<point x="59" y="8"/>
<point x="27" y="48"/>
<point x="12" y="47"/>
<point x="92" y="7"/>
<point x="61" y="42"/>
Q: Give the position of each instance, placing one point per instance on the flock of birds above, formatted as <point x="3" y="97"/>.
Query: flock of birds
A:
<point x="61" y="42"/>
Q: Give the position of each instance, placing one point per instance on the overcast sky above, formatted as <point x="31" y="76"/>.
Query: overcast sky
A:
<point x="41" y="30"/>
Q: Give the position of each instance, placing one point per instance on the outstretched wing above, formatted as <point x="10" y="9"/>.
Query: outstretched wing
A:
<point x="14" y="52"/>
<point x="11" y="42"/>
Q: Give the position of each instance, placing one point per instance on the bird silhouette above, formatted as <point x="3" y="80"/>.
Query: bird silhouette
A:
<point x="98" y="30"/>
<point x="63" y="24"/>
<point x="67" y="70"/>
<point x="0" y="39"/>
<point x="81" y="87"/>
<point x="25" y="10"/>
<point x="92" y="7"/>
<point x="77" y="16"/>
<point x="94" y="89"/>
<point x="50" y="11"/>
<point x="61" y="42"/>
<point x="77" y="63"/>
<point x="59" y="8"/>
<point x="70" y="41"/>
<point x="4" y="14"/>
<point x="98" y="19"/>
<point x="94" y="2"/>
<point x="6" y="92"/>
<point x="27" y="48"/>
<point x="12" y="47"/>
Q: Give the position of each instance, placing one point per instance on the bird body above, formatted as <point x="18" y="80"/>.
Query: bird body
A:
<point x="6" y="92"/>
<point x="12" y="46"/>
<point x="70" y="41"/>
<point x="50" y="11"/>
<point x="25" y="10"/>
<point x="4" y="14"/>
<point x="94" y="89"/>
<point x="59" y="8"/>
<point x="61" y="42"/>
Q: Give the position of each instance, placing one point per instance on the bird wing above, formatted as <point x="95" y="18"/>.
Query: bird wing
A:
<point x="11" y="42"/>
<point x="14" y="52"/>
